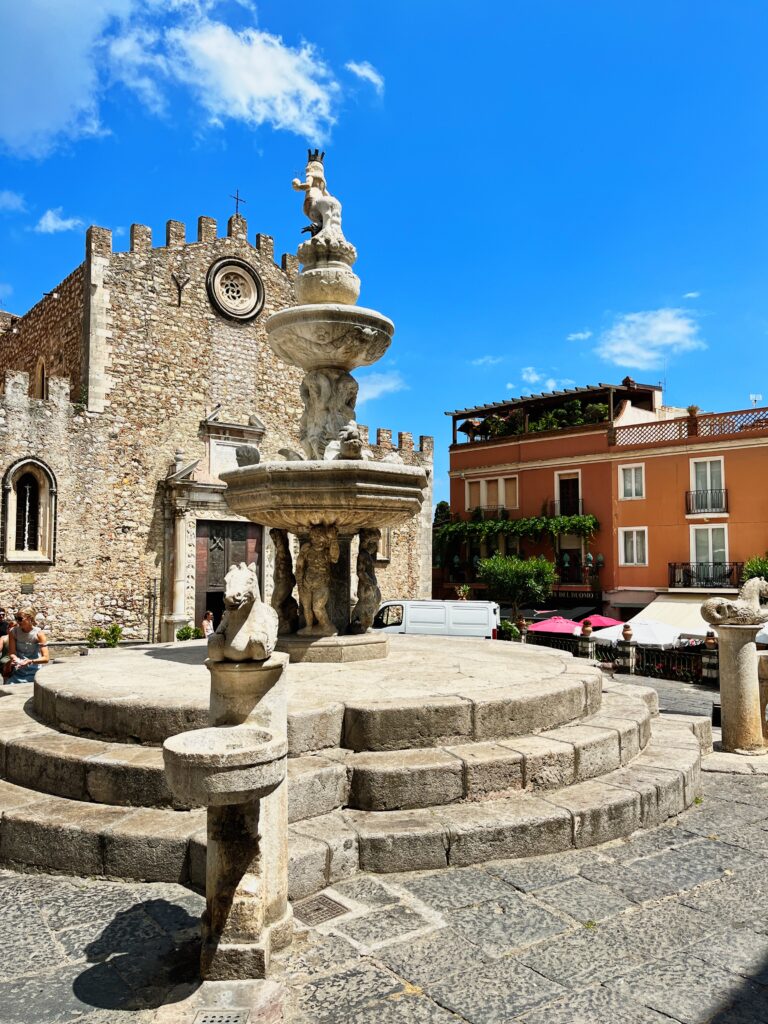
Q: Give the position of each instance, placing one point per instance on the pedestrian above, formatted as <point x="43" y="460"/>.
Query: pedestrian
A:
<point x="207" y="624"/>
<point x="27" y="647"/>
<point x="4" y="624"/>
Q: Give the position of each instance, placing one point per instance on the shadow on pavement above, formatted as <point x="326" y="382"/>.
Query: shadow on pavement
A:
<point x="136" y="964"/>
<point x="194" y="652"/>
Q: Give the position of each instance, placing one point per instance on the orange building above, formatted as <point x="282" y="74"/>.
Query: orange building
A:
<point x="680" y="496"/>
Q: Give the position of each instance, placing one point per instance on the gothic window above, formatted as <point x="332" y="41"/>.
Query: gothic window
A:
<point x="41" y="380"/>
<point x="29" y="512"/>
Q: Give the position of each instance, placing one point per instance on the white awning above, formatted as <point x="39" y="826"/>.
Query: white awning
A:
<point x="683" y="611"/>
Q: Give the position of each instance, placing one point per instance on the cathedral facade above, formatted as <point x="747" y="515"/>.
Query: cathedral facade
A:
<point x="128" y="388"/>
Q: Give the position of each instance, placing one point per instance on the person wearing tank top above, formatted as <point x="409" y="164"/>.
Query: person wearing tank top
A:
<point x="27" y="646"/>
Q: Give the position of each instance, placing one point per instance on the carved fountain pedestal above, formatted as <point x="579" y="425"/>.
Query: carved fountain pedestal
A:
<point x="333" y="490"/>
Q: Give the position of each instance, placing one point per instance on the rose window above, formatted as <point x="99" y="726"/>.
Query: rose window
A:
<point x="235" y="289"/>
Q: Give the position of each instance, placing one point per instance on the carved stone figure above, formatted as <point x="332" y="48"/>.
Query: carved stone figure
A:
<point x="746" y="610"/>
<point x="368" y="593"/>
<point x="283" y="601"/>
<point x="329" y="404"/>
<point x="313" y="575"/>
<point x="247" y="455"/>
<point x="321" y="208"/>
<point x="248" y="628"/>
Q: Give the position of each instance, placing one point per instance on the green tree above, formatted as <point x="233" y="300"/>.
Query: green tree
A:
<point x="517" y="581"/>
<point x="442" y="513"/>
<point x="757" y="565"/>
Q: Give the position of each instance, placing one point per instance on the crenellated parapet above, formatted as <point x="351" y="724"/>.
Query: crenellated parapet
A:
<point x="405" y="443"/>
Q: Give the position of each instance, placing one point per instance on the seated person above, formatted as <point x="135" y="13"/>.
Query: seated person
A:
<point x="27" y="647"/>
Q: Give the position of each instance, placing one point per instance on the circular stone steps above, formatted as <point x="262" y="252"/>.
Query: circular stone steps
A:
<point x="449" y="752"/>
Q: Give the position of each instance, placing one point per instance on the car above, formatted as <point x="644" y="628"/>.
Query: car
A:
<point x="439" y="618"/>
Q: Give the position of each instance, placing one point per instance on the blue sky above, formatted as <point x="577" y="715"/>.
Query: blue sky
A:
<point x="541" y="193"/>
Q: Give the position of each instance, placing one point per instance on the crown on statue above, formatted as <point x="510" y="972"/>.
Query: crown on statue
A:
<point x="315" y="157"/>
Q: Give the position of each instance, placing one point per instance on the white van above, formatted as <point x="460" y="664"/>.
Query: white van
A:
<point x="441" y="618"/>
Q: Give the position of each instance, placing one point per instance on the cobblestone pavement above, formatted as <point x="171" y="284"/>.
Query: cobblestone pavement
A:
<point x="682" y="698"/>
<point x="669" y="925"/>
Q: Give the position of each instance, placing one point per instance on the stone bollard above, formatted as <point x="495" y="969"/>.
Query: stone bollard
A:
<point x="710" y="666"/>
<point x="587" y="645"/>
<point x="740" y="690"/>
<point x="626" y="656"/>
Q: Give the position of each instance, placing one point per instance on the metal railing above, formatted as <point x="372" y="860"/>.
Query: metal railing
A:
<point x="706" y="501"/>
<point x="566" y="507"/>
<point x="560" y="643"/>
<point x="705" y="574"/>
<point x="686" y="666"/>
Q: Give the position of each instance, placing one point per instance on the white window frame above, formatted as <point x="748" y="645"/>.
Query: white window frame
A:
<point x="706" y="458"/>
<point x="633" y="529"/>
<point x="566" y="473"/>
<point x="45" y="553"/>
<point x="710" y="527"/>
<point x="502" y="485"/>
<point x="631" y="465"/>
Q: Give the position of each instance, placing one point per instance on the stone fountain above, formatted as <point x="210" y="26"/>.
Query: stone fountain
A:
<point x="333" y="489"/>
<point x="237" y="769"/>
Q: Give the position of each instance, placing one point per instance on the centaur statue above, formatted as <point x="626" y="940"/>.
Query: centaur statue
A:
<point x="321" y="208"/>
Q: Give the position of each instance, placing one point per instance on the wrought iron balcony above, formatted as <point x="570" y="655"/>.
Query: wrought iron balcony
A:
<point x="566" y="507"/>
<point x="706" y="501"/>
<point x="706" y="575"/>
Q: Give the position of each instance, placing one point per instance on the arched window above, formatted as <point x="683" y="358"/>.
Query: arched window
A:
<point x="29" y="512"/>
<point x="41" y="380"/>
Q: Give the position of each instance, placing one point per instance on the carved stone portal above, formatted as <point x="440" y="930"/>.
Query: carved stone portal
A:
<point x="313" y="574"/>
<point x="368" y="592"/>
<point x="283" y="601"/>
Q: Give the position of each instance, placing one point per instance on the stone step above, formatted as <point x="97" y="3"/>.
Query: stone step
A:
<point x="37" y="757"/>
<point x="660" y="783"/>
<point x="50" y="833"/>
<point x="154" y="844"/>
<point x="428" y="777"/>
<point x="426" y="709"/>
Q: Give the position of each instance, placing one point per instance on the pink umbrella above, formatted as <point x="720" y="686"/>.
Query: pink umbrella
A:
<point x="557" y="624"/>
<point x="601" y="621"/>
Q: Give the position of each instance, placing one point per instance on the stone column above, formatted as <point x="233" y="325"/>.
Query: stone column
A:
<point x="248" y="916"/>
<point x="740" y="690"/>
<point x="178" y="616"/>
<point x="587" y="646"/>
<point x="625" y="660"/>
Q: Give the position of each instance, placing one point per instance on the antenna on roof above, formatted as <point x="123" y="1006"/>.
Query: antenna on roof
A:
<point x="754" y="399"/>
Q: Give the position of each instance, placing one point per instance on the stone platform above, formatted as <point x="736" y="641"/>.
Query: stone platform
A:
<point x="448" y="752"/>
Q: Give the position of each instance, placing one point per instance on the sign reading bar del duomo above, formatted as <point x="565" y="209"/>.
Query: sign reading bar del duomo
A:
<point x="128" y="388"/>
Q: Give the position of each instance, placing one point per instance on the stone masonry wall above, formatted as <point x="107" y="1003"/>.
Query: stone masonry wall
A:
<point x="157" y="358"/>
<point x="53" y="330"/>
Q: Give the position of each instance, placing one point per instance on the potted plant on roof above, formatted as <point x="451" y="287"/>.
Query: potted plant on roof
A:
<point x="693" y="420"/>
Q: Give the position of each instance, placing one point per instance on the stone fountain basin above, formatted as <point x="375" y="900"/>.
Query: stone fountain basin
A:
<point x="354" y="495"/>
<point x="224" y="765"/>
<point x="326" y="335"/>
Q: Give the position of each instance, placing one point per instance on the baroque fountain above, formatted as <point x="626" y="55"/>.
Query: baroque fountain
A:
<point x="236" y="767"/>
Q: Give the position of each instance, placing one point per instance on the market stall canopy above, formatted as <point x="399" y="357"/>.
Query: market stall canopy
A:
<point x="557" y="624"/>
<point x="683" y="611"/>
<point x="644" y="631"/>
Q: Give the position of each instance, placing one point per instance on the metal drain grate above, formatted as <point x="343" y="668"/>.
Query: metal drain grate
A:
<point x="222" y="1017"/>
<point x="318" y="909"/>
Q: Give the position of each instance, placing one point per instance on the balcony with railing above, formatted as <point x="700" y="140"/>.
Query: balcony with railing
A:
<point x="566" y="507"/>
<point x="706" y="501"/>
<point x="705" y="575"/>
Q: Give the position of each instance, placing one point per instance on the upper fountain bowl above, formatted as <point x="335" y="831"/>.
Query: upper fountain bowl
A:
<point x="354" y="495"/>
<point x="224" y="765"/>
<point x="329" y="335"/>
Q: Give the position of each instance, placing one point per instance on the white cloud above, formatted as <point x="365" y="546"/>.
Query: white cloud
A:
<point x="52" y="222"/>
<point x="530" y="375"/>
<point x="252" y="76"/>
<point x="368" y="73"/>
<point x="374" y="385"/>
<point x="487" y="361"/>
<point x="62" y="63"/>
<point x="11" y="202"/>
<point x="643" y="340"/>
<point x="692" y="295"/>
<point x="579" y="336"/>
<point x="510" y="386"/>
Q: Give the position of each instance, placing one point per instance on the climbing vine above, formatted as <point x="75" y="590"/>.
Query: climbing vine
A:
<point x="531" y="528"/>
